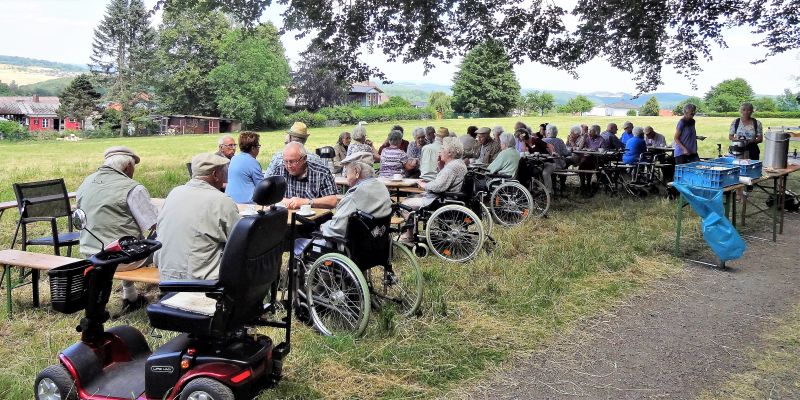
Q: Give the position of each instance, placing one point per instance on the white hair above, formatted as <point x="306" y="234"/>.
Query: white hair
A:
<point x="364" y="170"/>
<point x="638" y="131"/>
<point x="453" y="147"/>
<point x="689" y="106"/>
<point x="551" y="131"/>
<point x="627" y="124"/>
<point x="508" y="140"/>
<point x="419" y="132"/>
<point x="300" y="147"/>
<point x="576" y="129"/>
<point x="222" y="138"/>
<point x="359" y="133"/>
<point x="119" y="162"/>
<point x="497" y="129"/>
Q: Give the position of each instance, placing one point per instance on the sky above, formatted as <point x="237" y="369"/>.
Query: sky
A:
<point x="63" y="32"/>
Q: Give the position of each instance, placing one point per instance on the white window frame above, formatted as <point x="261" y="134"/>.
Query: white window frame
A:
<point x="45" y="122"/>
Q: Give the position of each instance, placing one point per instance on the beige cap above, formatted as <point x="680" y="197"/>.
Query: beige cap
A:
<point x="204" y="164"/>
<point x="121" y="150"/>
<point x="442" y="132"/>
<point x="363" y="156"/>
<point x="483" y="131"/>
<point x="299" y="130"/>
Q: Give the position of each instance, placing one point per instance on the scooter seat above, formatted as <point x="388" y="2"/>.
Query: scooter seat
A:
<point x="173" y="319"/>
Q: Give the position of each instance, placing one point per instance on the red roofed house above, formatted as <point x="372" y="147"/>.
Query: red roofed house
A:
<point x="36" y="113"/>
<point x="665" y="113"/>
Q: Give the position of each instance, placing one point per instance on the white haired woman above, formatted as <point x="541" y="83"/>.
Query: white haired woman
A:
<point x="507" y="160"/>
<point x="360" y="143"/>
<point x="635" y="146"/>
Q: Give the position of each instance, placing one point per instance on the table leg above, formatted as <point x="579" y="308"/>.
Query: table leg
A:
<point x="745" y="199"/>
<point x="782" y="196"/>
<point x="35" y="286"/>
<point x="679" y="218"/>
<point x="7" y="275"/>
<point x="732" y="200"/>
<point x="775" y="210"/>
<point x="726" y="203"/>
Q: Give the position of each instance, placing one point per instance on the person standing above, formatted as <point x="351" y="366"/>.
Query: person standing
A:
<point x="116" y="206"/>
<point x="686" y="137"/>
<point x="748" y="128"/>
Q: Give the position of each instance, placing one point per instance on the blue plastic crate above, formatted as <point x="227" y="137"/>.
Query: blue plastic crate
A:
<point x="700" y="174"/>
<point x="748" y="168"/>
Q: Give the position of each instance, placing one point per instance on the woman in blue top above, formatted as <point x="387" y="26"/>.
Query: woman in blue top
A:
<point x="686" y="137"/>
<point x="634" y="147"/>
<point x="244" y="172"/>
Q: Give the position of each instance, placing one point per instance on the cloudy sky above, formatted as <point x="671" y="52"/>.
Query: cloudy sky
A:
<point x="62" y="30"/>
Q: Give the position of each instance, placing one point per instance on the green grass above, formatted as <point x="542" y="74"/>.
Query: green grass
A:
<point x="541" y="279"/>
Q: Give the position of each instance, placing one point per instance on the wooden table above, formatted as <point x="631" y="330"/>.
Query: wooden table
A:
<point x="245" y="209"/>
<point x="398" y="187"/>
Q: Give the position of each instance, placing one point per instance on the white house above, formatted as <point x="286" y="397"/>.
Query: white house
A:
<point x="617" y="109"/>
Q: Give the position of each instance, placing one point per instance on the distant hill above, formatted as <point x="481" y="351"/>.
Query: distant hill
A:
<point x="32" y="62"/>
<point x="52" y="87"/>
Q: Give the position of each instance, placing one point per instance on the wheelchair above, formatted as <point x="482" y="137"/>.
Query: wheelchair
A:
<point x="496" y="198"/>
<point x="530" y="177"/>
<point x="339" y="280"/>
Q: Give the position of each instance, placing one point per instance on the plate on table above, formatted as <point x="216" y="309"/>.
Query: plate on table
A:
<point x="397" y="180"/>
<point x="308" y="214"/>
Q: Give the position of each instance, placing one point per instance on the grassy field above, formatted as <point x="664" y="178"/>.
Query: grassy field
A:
<point x="25" y="75"/>
<point x="543" y="277"/>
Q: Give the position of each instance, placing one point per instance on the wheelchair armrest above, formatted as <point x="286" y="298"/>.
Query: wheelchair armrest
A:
<point x="501" y="176"/>
<point x="189" y="286"/>
<point x="402" y="206"/>
<point x="449" y="194"/>
<point x="337" y="240"/>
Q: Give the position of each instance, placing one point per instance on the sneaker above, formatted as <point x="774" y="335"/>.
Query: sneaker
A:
<point x="131" y="305"/>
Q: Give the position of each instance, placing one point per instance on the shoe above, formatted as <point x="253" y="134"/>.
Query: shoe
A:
<point x="131" y="305"/>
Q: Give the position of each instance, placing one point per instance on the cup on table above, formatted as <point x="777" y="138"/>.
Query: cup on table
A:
<point x="305" y="209"/>
<point x="397" y="177"/>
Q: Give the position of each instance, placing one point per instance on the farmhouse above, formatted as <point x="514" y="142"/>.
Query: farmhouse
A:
<point x="617" y="109"/>
<point x="36" y="113"/>
<point x="366" y="94"/>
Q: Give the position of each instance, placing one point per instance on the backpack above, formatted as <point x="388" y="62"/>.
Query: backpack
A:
<point x="736" y="125"/>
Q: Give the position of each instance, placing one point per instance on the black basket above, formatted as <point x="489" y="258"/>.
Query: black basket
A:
<point x="68" y="287"/>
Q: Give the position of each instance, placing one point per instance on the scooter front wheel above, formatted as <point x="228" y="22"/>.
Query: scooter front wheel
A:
<point x="55" y="383"/>
<point x="206" y="389"/>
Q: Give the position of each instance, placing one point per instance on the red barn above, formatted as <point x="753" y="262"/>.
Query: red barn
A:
<point x="36" y="113"/>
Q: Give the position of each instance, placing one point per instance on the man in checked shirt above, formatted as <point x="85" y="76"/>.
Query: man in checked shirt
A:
<point x="306" y="183"/>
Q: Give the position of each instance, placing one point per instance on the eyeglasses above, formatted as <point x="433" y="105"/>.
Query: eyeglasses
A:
<point x="230" y="146"/>
<point x="293" y="162"/>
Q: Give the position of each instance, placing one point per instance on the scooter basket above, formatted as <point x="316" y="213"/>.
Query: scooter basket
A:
<point x="68" y="287"/>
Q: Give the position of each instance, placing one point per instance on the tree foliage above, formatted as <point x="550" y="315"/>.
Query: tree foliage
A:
<point x="79" y="99"/>
<point x="250" y="82"/>
<point x="650" y="107"/>
<point x="788" y="101"/>
<point x="440" y="102"/>
<point x="123" y="53"/>
<point x="188" y="41"/>
<point x="539" y="101"/>
<point x="698" y="102"/>
<point x="315" y="82"/>
<point x="577" y="104"/>
<point x="728" y="95"/>
<point x="764" y="104"/>
<point x="638" y="37"/>
<point x="485" y="82"/>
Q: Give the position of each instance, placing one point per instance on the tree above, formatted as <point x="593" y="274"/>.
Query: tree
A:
<point x="578" y="104"/>
<point x="250" y="82"/>
<point x="698" y="102"/>
<point x="440" y="102"/>
<point x="315" y="83"/>
<point x="764" y="104"/>
<point x="637" y="37"/>
<point x="5" y="90"/>
<point x="650" y="107"/>
<point x="396" y="101"/>
<point x="485" y="82"/>
<point x="188" y="40"/>
<point x="728" y="95"/>
<point x="79" y="99"/>
<point x="123" y="52"/>
<point x="540" y="101"/>
<point x="788" y="101"/>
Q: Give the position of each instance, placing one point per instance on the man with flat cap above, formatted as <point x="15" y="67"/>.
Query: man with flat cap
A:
<point x="195" y="223"/>
<point x="366" y="194"/>
<point x="297" y="133"/>
<point x="116" y="206"/>
<point x="489" y="147"/>
<point x="429" y="161"/>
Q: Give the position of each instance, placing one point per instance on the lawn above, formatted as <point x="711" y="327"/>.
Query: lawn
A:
<point x="543" y="277"/>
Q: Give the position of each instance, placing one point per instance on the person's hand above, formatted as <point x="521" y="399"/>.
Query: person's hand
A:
<point x="368" y="142"/>
<point x="295" y="202"/>
<point x="421" y="184"/>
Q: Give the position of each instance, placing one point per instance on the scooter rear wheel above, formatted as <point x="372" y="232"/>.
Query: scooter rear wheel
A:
<point x="55" y="383"/>
<point x="206" y="389"/>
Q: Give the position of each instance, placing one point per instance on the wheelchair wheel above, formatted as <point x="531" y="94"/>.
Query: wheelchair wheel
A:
<point x="486" y="218"/>
<point x="337" y="296"/>
<point x="540" y="197"/>
<point x="510" y="203"/>
<point x="401" y="286"/>
<point x="454" y="233"/>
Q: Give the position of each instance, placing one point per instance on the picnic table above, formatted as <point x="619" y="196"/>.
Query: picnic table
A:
<point x="246" y="209"/>
<point x="397" y="187"/>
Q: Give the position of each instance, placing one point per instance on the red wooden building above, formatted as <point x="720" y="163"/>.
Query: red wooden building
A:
<point x="189" y="124"/>
<point x="36" y="113"/>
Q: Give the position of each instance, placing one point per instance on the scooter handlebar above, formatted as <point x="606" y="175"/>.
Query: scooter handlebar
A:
<point x="126" y="250"/>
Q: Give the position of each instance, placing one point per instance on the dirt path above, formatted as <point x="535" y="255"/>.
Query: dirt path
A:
<point x="678" y="339"/>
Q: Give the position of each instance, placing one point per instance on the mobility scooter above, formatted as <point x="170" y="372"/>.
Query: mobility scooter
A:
<point x="215" y="357"/>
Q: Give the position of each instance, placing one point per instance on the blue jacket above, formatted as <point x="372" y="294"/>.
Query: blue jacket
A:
<point x="635" y="147"/>
<point x="244" y="173"/>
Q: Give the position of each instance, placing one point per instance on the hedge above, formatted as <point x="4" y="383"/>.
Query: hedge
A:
<point x="354" y="114"/>
<point x="757" y="114"/>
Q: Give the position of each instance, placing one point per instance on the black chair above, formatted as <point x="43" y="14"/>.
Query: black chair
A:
<point x="189" y="168"/>
<point x="45" y="201"/>
<point x="250" y="267"/>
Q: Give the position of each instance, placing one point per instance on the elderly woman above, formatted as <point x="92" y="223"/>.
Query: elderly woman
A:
<point x="748" y="128"/>
<point x="507" y="159"/>
<point x="635" y="146"/>
<point x="521" y="138"/>
<point x="360" y="143"/>
<point x="244" y="172"/>
<point x="593" y="142"/>
<point x="393" y="159"/>
<point x="415" y="147"/>
<point x="366" y="194"/>
<point x="340" y="151"/>
<point x="560" y="149"/>
<point x="574" y="142"/>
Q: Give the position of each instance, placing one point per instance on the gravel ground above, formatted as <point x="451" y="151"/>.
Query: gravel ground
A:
<point x="683" y="336"/>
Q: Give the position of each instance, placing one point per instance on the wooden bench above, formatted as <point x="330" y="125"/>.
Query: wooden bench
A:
<point x="38" y="262"/>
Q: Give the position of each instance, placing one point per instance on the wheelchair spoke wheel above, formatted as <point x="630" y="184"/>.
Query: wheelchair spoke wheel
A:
<point x="337" y="296"/>
<point x="454" y="233"/>
<point x="400" y="284"/>
<point x="540" y="199"/>
<point x="486" y="218"/>
<point x="511" y="204"/>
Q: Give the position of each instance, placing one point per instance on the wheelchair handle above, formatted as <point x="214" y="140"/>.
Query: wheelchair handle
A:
<point x="404" y="207"/>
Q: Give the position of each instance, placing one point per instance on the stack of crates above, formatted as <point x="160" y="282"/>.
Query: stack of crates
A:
<point x="748" y="168"/>
<point x="707" y="175"/>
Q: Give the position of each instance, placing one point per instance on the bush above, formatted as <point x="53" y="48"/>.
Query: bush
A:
<point x="757" y="114"/>
<point x="104" y="131"/>
<point x="339" y="113"/>
<point x="12" y="130"/>
<point x="631" y="113"/>
<point x="352" y="114"/>
<point x="312" y="120"/>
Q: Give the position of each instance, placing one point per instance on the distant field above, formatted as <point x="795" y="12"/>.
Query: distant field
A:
<point x="28" y="75"/>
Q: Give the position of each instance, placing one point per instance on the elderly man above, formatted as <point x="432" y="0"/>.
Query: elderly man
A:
<point x="610" y="138"/>
<point x="306" y="183"/>
<point x="627" y="132"/>
<point x="496" y="132"/>
<point x="430" y="134"/>
<point x="196" y="222"/>
<point x="297" y="133"/>
<point x="635" y="147"/>
<point x="415" y="147"/>
<point x="489" y="147"/>
<point x="227" y="147"/>
<point x="507" y="160"/>
<point x="116" y="206"/>
<point x="471" y="146"/>
<point x="653" y="138"/>
<point x="366" y="194"/>
<point x="429" y="162"/>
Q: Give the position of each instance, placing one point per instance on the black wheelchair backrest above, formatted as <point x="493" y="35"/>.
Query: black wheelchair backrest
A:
<point x="369" y="239"/>
<point x="326" y="152"/>
<point x="269" y="191"/>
